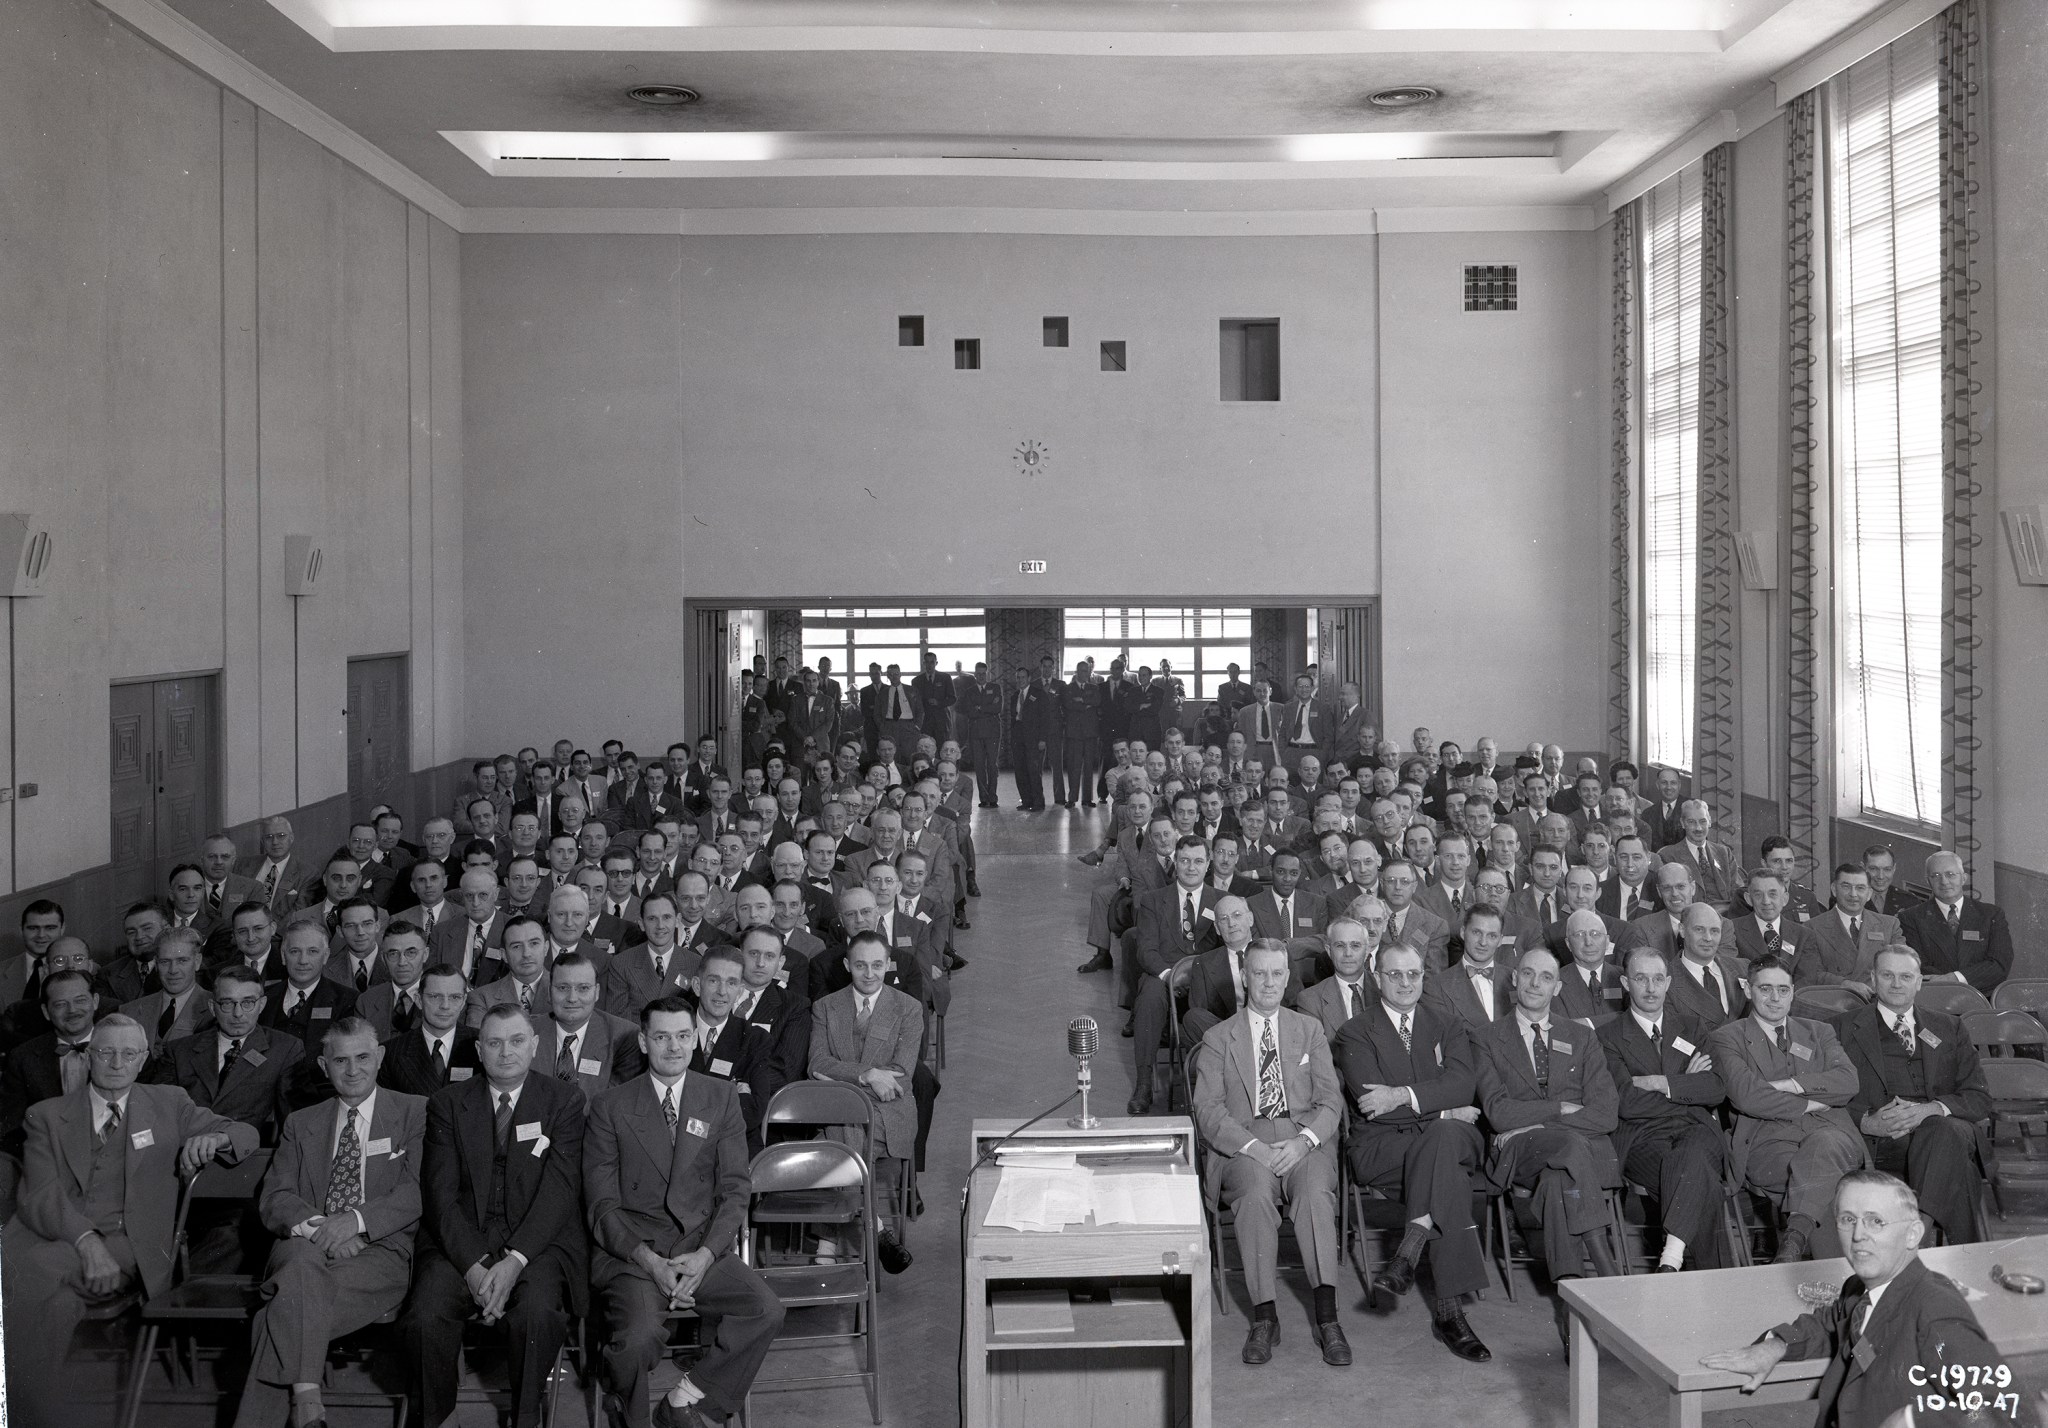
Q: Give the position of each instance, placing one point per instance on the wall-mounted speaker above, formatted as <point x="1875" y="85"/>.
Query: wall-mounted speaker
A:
<point x="25" y="554"/>
<point x="1758" y="553"/>
<point x="301" y="565"/>
<point x="2026" y="536"/>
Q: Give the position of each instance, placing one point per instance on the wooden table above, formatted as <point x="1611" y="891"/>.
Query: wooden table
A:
<point x="1661" y="1325"/>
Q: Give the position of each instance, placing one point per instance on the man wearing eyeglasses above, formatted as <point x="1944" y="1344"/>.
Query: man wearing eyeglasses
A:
<point x="98" y="1208"/>
<point x="1897" y="1336"/>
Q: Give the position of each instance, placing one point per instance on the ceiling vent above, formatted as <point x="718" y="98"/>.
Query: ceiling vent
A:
<point x="663" y="96"/>
<point x="1403" y="96"/>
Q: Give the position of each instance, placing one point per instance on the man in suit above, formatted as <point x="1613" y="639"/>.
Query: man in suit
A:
<point x="1590" y="990"/>
<point x="1630" y="893"/>
<point x="225" y="889"/>
<point x="1581" y="893"/>
<point x="1707" y="984"/>
<point x="178" y="1007"/>
<point x="1959" y="937"/>
<point x="1544" y="1085"/>
<point x="440" y="1049"/>
<point x="663" y="963"/>
<point x="1715" y="873"/>
<point x="431" y="910"/>
<point x="501" y="1185"/>
<point x="1768" y="929"/>
<point x="343" y="1198"/>
<point x="898" y="710"/>
<point x="1789" y="1081"/>
<point x="1259" y="722"/>
<point x="1664" y="929"/>
<point x="278" y="874"/>
<point x="1541" y="900"/>
<point x="773" y="1000"/>
<point x="1408" y="1075"/>
<point x="132" y="974"/>
<point x="1894" y="1330"/>
<point x="393" y="1005"/>
<point x="1885" y="895"/>
<point x="728" y="1046"/>
<point x="1478" y="986"/>
<point x="867" y="1034"/>
<point x="54" y="1063"/>
<point x="1664" y="820"/>
<point x="305" y="1003"/>
<point x="475" y="942"/>
<point x="1269" y="1106"/>
<point x="525" y="983"/>
<point x="1304" y="727"/>
<point x="98" y="1206"/>
<point x="665" y="1193"/>
<point x="1034" y="732"/>
<point x="543" y="802"/>
<point x="1173" y="922"/>
<point x="981" y="708"/>
<point x="696" y="775"/>
<point x="1215" y="979"/>
<point x="1452" y="891"/>
<point x="1668" y="1140"/>
<point x="811" y="721"/>
<point x="579" y="1042"/>
<point x="1919" y="1095"/>
<point x="236" y="1067"/>
<point x="1080" y="738"/>
<point x="1841" y="944"/>
<point x="1350" y="948"/>
<point x="1409" y="923"/>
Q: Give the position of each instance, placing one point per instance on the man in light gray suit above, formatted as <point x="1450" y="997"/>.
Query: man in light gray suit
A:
<point x="343" y="1198"/>
<point x="1409" y="923"/>
<point x="867" y="1035"/>
<point x="179" y="1008"/>
<point x="1841" y="945"/>
<point x="1269" y="1106"/>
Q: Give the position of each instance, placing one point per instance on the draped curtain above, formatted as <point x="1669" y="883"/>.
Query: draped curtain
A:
<point x="1717" y="731"/>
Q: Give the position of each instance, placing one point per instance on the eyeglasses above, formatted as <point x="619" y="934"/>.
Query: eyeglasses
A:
<point x="118" y="1055"/>
<point x="1872" y="1224"/>
<point x="239" y="1004"/>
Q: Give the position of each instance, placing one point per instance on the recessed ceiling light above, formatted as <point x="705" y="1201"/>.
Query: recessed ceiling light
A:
<point x="1405" y="96"/>
<point x="663" y="96"/>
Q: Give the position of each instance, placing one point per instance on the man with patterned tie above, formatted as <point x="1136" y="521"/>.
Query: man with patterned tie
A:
<point x="665" y="1192"/>
<point x="501" y="1188"/>
<point x="343" y="1197"/>
<point x="1270" y="1107"/>
<point x="1768" y="929"/>
<point x="98" y="1209"/>
<point x="393" y="1006"/>
<point x="1409" y="1080"/>
<point x="580" y="1044"/>
<point x="1715" y="874"/>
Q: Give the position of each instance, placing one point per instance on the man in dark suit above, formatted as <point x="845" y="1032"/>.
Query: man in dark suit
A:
<point x="727" y="1045"/>
<point x="1706" y="983"/>
<point x="1080" y="738"/>
<point x="305" y="1003"/>
<point x="981" y="706"/>
<point x="502" y="1198"/>
<point x="343" y="1198"/>
<point x="1409" y="1079"/>
<point x="1894" y="1329"/>
<point x="98" y="1209"/>
<point x="1919" y="1095"/>
<point x="543" y="803"/>
<point x="1478" y="985"/>
<point x="1544" y="1085"/>
<point x="133" y="974"/>
<point x="237" y="1067"/>
<point x="1668" y="1141"/>
<point x="1034" y="732"/>
<point x="665" y="1190"/>
<point x="178" y="1007"/>
<point x="52" y="1064"/>
<point x="1886" y="896"/>
<point x="1959" y="937"/>
<point x="774" y="999"/>
<point x="438" y="1051"/>
<point x="1215" y="979"/>
<point x="1768" y="929"/>
<point x="580" y="1043"/>
<point x="1174" y="922"/>
<point x="1589" y="984"/>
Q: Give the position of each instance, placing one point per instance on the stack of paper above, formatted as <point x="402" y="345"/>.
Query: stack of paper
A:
<point x="1047" y="1198"/>
<point x="1146" y="1199"/>
<point x="1030" y="1198"/>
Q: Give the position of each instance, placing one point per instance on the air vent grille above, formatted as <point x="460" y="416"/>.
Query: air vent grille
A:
<point x="1490" y="287"/>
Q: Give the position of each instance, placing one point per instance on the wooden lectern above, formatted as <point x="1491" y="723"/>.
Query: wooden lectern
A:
<point x="1104" y="1325"/>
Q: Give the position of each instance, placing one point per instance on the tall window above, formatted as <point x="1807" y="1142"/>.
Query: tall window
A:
<point x="1884" y="222"/>
<point x="1200" y="643"/>
<point x="852" y="639"/>
<point x="1671" y="424"/>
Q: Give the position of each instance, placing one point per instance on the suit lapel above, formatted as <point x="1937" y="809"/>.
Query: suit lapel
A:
<point x="690" y="1107"/>
<point x="475" y="1130"/>
<point x="74" y="1135"/>
<point x="649" y="1124"/>
<point x="1248" y="1061"/>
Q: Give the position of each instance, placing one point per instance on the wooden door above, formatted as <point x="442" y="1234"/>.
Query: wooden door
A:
<point x="379" y="737"/>
<point x="164" y="780"/>
<point x="132" y="765"/>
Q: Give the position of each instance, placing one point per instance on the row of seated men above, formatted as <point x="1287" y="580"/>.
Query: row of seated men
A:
<point x="759" y="985"/>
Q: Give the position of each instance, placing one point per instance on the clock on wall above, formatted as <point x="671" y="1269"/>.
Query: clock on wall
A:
<point x="1032" y="456"/>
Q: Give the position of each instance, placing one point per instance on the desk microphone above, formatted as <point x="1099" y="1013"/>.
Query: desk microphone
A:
<point x="1084" y="1039"/>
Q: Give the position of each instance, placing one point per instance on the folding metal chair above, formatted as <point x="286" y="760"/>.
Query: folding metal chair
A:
<point x="1955" y="998"/>
<point x="2006" y="1033"/>
<point x="1827" y="1003"/>
<point x="1504" y="1227"/>
<point x="2027" y="994"/>
<point x="810" y="1105"/>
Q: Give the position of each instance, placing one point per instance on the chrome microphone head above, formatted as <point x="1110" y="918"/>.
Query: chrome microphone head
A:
<point x="1084" y="1038"/>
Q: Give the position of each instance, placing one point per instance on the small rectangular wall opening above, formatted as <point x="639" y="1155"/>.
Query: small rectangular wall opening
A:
<point x="967" y="354"/>
<point x="1250" y="353"/>
<point x="910" y="332"/>
<point x="1055" y="332"/>
<point x="1113" y="357"/>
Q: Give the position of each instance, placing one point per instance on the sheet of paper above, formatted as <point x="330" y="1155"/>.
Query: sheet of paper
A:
<point x="1147" y="1199"/>
<point x="1035" y="1198"/>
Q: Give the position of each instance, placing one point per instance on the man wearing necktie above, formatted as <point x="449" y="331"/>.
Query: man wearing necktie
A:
<point x="343" y="1197"/>
<point x="1544" y="1085"/>
<point x="1919" y="1095"/>
<point x="867" y="1034"/>
<point x="1841" y="945"/>
<point x="665" y="1193"/>
<point x="1173" y="923"/>
<point x="1959" y="937"/>
<point x="1789" y="1082"/>
<point x="392" y="1005"/>
<point x="1270" y="1107"/>
<point x="1409" y="1077"/>
<point x="1893" y="1332"/>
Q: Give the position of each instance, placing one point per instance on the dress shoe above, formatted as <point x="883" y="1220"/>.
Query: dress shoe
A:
<point x="683" y="1415"/>
<point x="954" y="961"/>
<point x="1098" y="963"/>
<point x="974" y="888"/>
<point x="889" y="1250"/>
<point x="1336" y="1348"/>
<point x="916" y="1203"/>
<point x="1093" y="858"/>
<point x="1129" y="1028"/>
<point x="1667" y="1269"/>
<point x="1258" y="1344"/>
<point x="1394" y="1278"/>
<point x="962" y="923"/>
<point x="1455" y="1334"/>
<point x="1792" y="1248"/>
<point x="1138" y="1107"/>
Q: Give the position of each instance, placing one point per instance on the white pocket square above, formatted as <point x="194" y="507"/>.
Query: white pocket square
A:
<point x="1304" y="1058"/>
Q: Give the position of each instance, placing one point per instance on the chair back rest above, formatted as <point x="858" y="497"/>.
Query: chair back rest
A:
<point x="2016" y="1078"/>
<point x="806" y="1165"/>
<point x="1954" y="998"/>
<point x="239" y="1181"/>
<point x="1825" y="1003"/>
<point x="819" y="1103"/>
<point x="2003" y="1028"/>
<point x="2028" y="994"/>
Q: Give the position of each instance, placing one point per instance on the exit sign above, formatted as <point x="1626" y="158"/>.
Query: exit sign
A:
<point x="1031" y="567"/>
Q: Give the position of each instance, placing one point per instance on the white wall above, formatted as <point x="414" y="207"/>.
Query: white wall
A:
<point x="214" y="333"/>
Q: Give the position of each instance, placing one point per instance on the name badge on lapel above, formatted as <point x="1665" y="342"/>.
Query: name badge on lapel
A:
<point x="696" y="1128"/>
<point x="1803" y="1053"/>
<point x="588" y="1067"/>
<point x="380" y="1146"/>
<point x="1559" y="1047"/>
<point x="1681" y="1046"/>
<point x="321" y="1014"/>
<point x="252" y="1058"/>
<point x="529" y="1131"/>
<point x="143" y="1139"/>
<point x="902" y="941"/>
<point x="1304" y="922"/>
<point x="720" y="1066"/>
<point x="1613" y="994"/>
<point x="1930" y="1038"/>
<point x="1864" y="1354"/>
<point x="1209" y="914"/>
<point x="1972" y="935"/>
<point x="461" y="1073"/>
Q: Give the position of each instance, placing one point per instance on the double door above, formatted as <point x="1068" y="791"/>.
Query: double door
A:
<point x="165" y="776"/>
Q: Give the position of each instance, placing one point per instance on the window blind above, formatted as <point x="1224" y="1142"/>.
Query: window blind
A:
<point x="1671" y="417"/>
<point x="1884" y="218"/>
